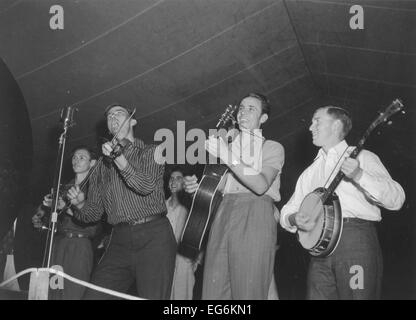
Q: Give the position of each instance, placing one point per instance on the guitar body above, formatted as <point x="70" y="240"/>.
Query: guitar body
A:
<point x="205" y="203"/>
<point x="323" y="239"/>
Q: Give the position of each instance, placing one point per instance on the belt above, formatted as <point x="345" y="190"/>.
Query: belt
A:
<point x="75" y="235"/>
<point x="141" y="220"/>
<point x="356" y="220"/>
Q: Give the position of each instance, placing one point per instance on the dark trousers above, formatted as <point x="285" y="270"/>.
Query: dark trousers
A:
<point x="143" y="252"/>
<point x="3" y="260"/>
<point x="75" y="256"/>
<point x="354" y="271"/>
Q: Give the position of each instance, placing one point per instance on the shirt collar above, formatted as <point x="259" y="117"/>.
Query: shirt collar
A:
<point x="337" y="150"/>
<point x="254" y="136"/>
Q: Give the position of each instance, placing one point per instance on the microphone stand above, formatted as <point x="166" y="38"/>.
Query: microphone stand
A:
<point x="68" y="122"/>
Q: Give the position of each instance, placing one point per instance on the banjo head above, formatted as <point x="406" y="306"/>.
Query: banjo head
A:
<point x="312" y="207"/>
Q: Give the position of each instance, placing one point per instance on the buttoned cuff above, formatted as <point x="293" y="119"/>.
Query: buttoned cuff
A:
<point x="284" y="222"/>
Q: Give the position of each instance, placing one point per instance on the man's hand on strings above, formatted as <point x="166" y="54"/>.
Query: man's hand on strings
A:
<point x="107" y="148"/>
<point x="120" y="161"/>
<point x="76" y="196"/>
<point x="47" y="202"/>
<point x="190" y="183"/>
<point x="304" y="222"/>
<point x="351" y="168"/>
<point x="301" y="221"/>
<point x="219" y="149"/>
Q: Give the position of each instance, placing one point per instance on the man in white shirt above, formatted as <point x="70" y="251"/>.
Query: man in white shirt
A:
<point x="240" y="252"/>
<point x="354" y="270"/>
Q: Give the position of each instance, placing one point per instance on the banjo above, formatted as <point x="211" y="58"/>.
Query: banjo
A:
<point x="323" y="206"/>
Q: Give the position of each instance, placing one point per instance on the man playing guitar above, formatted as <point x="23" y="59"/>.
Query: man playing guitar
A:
<point x="354" y="270"/>
<point x="240" y="252"/>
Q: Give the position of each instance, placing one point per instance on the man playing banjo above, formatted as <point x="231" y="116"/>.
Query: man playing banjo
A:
<point x="354" y="269"/>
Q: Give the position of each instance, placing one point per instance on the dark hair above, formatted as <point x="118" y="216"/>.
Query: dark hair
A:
<point x="91" y="152"/>
<point x="342" y="115"/>
<point x="112" y="105"/>
<point x="174" y="168"/>
<point x="183" y="197"/>
<point x="265" y="103"/>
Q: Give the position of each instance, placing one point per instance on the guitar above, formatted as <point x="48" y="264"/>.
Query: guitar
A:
<point x="323" y="206"/>
<point x="206" y="199"/>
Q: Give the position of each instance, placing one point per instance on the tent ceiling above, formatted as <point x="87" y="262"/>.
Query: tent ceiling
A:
<point x="187" y="60"/>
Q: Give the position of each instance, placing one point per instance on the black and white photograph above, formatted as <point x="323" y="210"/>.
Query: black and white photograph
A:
<point x="207" y="150"/>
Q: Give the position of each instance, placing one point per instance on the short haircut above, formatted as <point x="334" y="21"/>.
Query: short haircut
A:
<point x="173" y="168"/>
<point x="183" y="197"/>
<point x="342" y="115"/>
<point x="90" y="151"/>
<point x="110" y="106"/>
<point x="265" y="103"/>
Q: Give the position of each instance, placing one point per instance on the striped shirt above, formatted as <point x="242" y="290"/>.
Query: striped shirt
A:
<point x="126" y="195"/>
<point x="66" y="223"/>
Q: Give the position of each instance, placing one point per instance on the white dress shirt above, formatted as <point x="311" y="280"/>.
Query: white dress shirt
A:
<point x="358" y="199"/>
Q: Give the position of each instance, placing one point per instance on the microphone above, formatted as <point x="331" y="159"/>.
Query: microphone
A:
<point x="67" y="116"/>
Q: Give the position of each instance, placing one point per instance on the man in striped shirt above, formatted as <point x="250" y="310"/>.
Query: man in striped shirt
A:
<point x="129" y="188"/>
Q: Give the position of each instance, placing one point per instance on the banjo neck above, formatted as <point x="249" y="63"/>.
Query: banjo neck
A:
<point x="340" y="175"/>
<point x="394" y="107"/>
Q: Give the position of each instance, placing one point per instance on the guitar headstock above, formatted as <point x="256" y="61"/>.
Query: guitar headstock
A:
<point x="389" y="111"/>
<point x="227" y="116"/>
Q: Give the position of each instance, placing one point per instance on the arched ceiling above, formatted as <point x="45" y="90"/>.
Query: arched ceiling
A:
<point x="188" y="59"/>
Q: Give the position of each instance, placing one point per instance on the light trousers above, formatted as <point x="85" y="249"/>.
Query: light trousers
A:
<point x="240" y="253"/>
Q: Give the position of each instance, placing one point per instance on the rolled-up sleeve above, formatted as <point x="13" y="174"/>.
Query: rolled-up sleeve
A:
<point x="273" y="155"/>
